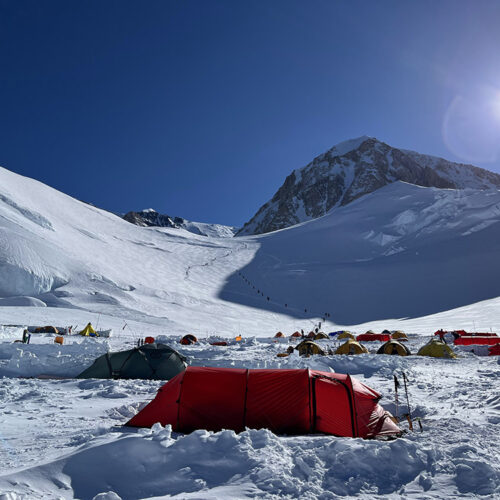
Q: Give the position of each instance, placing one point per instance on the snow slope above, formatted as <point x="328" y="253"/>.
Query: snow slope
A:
<point x="402" y="257"/>
<point x="401" y="252"/>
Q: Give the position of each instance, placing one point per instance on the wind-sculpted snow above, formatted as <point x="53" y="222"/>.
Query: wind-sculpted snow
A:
<point x="70" y="445"/>
<point x="27" y="213"/>
<point x="259" y="464"/>
<point x="20" y="360"/>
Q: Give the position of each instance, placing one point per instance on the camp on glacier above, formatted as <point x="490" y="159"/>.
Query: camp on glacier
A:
<point x="172" y="284"/>
<point x="249" y="250"/>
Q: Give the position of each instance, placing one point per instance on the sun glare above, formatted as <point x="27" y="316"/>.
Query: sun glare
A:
<point x="496" y="106"/>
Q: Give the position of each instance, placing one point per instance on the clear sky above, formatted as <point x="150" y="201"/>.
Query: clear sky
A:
<point x="201" y="108"/>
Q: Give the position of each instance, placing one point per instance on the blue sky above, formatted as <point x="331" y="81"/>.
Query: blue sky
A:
<point x="201" y="108"/>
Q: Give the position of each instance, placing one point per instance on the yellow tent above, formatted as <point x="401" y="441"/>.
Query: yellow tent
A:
<point x="89" y="331"/>
<point x="320" y="336"/>
<point x="394" y="347"/>
<point x="351" y="347"/>
<point x="437" y="349"/>
<point x="307" y="348"/>
<point x="399" y="335"/>
<point x="345" y="335"/>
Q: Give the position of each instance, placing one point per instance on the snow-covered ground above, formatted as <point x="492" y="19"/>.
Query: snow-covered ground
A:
<point x="403" y="257"/>
<point x="63" y="438"/>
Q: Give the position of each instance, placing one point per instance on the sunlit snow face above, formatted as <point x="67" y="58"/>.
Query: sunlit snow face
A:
<point x="471" y="126"/>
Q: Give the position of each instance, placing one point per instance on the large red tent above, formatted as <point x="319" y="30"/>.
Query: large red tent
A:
<point x="371" y="337"/>
<point x="284" y="401"/>
<point x="474" y="340"/>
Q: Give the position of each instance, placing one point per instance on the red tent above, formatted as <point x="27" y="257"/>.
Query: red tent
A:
<point x="188" y="339"/>
<point x="368" y="337"/>
<point x="481" y="334"/>
<point x="494" y="350"/>
<point x="473" y="340"/>
<point x="285" y="401"/>
<point x="463" y="333"/>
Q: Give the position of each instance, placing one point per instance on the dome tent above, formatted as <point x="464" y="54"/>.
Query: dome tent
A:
<point x="436" y="348"/>
<point x="284" y="401"/>
<point x="394" y="347"/>
<point x="351" y="347"/>
<point x="345" y="335"/>
<point x="307" y="348"/>
<point x="188" y="339"/>
<point x="399" y="335"/>
<point x="321" y="336"/>
<point x="149" y="362"/>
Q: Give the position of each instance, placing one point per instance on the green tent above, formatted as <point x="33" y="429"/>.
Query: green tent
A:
<point x="149" y="362"/>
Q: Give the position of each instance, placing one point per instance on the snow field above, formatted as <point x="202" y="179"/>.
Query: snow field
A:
<point x="71" y="425"/>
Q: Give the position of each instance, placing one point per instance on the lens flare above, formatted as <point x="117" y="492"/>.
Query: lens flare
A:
<point x="496" y="106"/>
<point x="471" y="127"/>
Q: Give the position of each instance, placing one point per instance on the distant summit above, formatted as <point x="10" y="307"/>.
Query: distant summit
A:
<point x="151" y="218"/>
<point x="352" y="169"/>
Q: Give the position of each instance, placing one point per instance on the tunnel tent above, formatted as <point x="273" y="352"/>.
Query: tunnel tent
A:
<point x="148" y="362"/>
<point x="279" y="335"/>
<point x="494" y="350"/>
<point x="46" y="329"/>
<point x="293" y="402"/>
<point x="394" y="347"/>
<point x="374" y="337"/>
<point x="351" y="347"/>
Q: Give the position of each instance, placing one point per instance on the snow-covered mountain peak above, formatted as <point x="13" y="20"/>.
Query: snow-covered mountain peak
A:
<point x="345" y="147"/>
<point x="353" y="169"/>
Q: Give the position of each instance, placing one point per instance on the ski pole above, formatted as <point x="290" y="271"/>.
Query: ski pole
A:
<point x="407" y="401"/>
<point x="396" y="385"/>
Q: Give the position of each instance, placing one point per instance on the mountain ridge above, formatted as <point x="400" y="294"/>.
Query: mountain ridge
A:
<point x="352" y="169"/>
